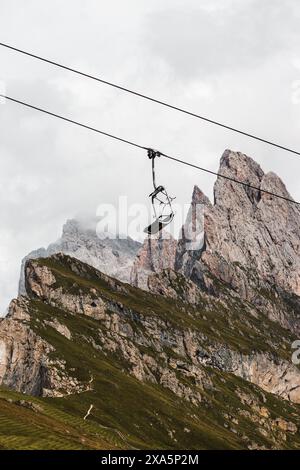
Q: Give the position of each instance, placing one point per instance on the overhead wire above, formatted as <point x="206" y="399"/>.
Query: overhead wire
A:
<point x="134" y="144"/>
<point x="150" y="98"/>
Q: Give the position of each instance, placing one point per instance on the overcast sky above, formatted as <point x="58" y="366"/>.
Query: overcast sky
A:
<point x="231" y="60"/>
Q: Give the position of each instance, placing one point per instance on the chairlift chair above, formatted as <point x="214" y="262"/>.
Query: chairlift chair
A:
<point x="160" y="200"/>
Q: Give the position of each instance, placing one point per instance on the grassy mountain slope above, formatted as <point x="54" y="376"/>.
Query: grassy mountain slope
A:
<point x="129" y="413"/>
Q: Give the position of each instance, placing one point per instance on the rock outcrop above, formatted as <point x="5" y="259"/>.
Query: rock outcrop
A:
<point x="22" y="352"/>
<point x="156" y="254"/>
<point x="26" y="364"/>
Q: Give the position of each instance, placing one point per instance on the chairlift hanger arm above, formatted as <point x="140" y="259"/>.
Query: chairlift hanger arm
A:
<point x="152" y="154"/>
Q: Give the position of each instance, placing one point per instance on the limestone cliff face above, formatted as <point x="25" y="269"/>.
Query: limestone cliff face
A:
<point x="252" y="231"/>
<point x="22" y="352"/>
<point x="252" y="241"/>
<point x="26" y="364"/>
<point x="156" y="254"/>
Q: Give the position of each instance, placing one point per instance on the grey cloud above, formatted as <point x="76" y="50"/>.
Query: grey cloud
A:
<point x="197" y="41"/>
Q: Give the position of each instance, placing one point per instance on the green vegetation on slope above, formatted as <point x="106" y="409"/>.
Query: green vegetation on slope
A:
<point x="231" y="323"/>
<point x="128" y="413"/>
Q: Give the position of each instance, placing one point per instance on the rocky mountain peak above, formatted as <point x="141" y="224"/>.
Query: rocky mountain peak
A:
<point x="237" y="166"/>
<point x="253" y="230"/>
<point x="240" y="164"/>
<point x="243" y="168"/>
<point x="251" y="239"/>
<point x="114" y="256"/>
<point x="198" y="197"/>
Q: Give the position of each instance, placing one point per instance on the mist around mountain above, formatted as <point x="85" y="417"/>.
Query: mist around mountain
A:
<point x="112" y="255"/>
